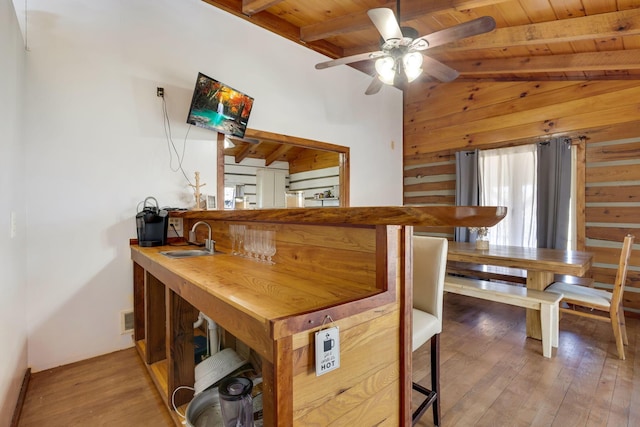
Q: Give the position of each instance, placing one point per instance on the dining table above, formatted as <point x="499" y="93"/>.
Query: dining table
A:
<point x="541" y="265"/>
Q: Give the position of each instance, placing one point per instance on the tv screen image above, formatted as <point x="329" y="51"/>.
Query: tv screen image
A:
<point x="218" y="107"/>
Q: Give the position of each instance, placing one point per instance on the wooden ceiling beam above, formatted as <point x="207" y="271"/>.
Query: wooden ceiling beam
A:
<point x="589" y="61"/>
<point x="605" y="25"/>
<point x="409" y="10"/>
<point x="341" y="25"/>
<point x="251" y="7"/>
<point x="244" y="152"/>
<point x="276" y="25"/>
<point x="276" y="154"/>
<point x="601" y="26"/>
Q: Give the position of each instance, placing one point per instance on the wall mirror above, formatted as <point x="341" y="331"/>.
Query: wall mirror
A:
<point x="318" y="169"/>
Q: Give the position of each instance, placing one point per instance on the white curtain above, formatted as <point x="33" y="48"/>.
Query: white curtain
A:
<point x="507" y="177"/>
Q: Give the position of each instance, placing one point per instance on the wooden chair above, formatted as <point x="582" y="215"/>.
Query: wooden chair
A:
<point x="429" y="266"/>
<point x="608" y="304"/>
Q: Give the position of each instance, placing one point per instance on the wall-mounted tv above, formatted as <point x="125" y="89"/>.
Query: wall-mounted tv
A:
<point x="219" y="107"/>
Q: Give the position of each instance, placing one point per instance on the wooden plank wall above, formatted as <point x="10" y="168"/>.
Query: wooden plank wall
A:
<point x="440" y="119"/>
<point x="317" y="181"/>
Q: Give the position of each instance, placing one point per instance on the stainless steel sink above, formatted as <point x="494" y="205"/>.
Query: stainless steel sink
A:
<point x="186" y="253"/>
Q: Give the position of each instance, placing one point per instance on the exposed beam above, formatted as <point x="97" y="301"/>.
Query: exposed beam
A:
<point x="341" y="25"/>
<point x="602" y="26"/>
<point x="244" y="152"/>
<point x="251" y="7"/>
<point x="276" y="154"/>
<point x="409" y="10"/>
<point x="276" y="25"/>
<point x="590" y="61"/>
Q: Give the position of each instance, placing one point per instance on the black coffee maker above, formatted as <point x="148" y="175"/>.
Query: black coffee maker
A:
<point x="152" y="223"/>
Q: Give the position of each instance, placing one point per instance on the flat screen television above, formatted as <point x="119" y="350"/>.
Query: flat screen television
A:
<point x="218" y="107"/>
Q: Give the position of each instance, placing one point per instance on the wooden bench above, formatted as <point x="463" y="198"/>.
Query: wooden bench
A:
<point x="545" y="302"/>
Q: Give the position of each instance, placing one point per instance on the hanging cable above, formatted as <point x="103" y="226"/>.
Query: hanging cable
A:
<point x="171" y="145"/>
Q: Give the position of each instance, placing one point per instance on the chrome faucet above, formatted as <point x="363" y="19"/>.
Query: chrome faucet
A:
<point x="209" y="244"/>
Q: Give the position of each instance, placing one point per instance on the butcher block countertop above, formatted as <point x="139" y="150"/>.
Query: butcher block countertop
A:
<point x="267" y="294"/>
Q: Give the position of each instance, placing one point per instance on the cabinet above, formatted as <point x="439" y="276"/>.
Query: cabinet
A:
<point x="270" y="188"/>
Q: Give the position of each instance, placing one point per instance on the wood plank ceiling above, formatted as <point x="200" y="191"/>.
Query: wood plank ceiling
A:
<point x="533" y="39"/>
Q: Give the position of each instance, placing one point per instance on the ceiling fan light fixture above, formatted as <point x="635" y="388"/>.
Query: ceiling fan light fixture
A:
<point x="385" y="67"/>
<point x="412" y="62"/>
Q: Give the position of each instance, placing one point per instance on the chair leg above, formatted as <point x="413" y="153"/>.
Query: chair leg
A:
<point x="623" y="325"/>
<point x="435" y="376"/>
<point x="432" y="398"/>
<point x="617" y="333"/>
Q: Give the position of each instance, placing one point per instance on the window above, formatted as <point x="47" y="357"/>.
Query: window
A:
<point x="534" y="181"/>
<point x="507" y="177"/>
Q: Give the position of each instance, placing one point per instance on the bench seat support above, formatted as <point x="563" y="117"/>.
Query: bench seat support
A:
<point x="514" y="295"/>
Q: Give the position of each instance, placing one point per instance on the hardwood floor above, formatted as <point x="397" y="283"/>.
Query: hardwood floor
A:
<point x="491" y="375"/>
<point x="109" y="390"/>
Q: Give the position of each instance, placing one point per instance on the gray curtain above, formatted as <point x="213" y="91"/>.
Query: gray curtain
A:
<point x="467" y="190"/>
<point x="554" y="193"/>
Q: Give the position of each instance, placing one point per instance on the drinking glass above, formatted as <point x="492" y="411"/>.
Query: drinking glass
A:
<point x="241" y="231"/>
<point x="262" y="245"/>
<point x="270" y="249"/>
<point x="233" y="234"/>
<point x="248" y="243"/>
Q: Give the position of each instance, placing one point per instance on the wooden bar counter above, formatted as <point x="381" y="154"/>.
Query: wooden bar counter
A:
<point x="345" y="267"/>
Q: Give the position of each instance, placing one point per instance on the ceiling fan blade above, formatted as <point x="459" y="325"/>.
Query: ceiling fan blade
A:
<point x="349" y="59"/>
<point x="374" y="86"/>
<point x="466" y="29"/>
<point x="438" y="70"/>
<point x="385" y="22"/>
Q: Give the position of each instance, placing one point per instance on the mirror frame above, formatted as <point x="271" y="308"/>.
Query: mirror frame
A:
<point x="254" y="134"/>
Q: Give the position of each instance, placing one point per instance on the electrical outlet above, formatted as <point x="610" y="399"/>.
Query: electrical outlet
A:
<point x="175" y="227"/>
<point x="160" y="92"/>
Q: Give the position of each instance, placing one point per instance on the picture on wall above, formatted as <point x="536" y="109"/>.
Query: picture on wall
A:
<point x="218" y="107"/>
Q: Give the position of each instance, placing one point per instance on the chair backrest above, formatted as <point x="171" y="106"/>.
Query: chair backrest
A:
<point x="429" y="267"/>
<point x="621" y="275"/>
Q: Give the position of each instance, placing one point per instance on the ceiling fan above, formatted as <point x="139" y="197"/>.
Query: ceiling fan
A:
<point x="400" y="59"/>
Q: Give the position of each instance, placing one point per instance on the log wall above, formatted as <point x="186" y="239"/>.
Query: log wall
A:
<point x="440" y="119"/>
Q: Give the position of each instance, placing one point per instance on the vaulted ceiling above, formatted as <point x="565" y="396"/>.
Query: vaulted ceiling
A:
<point x="533" y="39"/>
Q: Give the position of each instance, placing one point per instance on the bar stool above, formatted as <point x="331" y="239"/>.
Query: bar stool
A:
<point x="429" y="266"/>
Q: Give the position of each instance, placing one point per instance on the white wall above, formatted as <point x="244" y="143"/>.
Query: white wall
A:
<point x="96" y="147"/>
<point x="13" y="255"/>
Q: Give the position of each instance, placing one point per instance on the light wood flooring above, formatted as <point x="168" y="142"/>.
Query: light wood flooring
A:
<point x="491" y="375"/>
<point x="110" y="390"/>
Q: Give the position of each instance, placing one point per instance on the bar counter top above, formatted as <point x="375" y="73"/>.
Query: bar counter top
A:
<point x="455" y="216"/>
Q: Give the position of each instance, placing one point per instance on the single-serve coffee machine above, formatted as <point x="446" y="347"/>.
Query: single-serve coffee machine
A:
<point x="152" y="223"/>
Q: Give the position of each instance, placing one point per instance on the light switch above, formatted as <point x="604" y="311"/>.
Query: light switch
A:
<point x="14" y="226"/>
